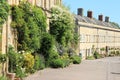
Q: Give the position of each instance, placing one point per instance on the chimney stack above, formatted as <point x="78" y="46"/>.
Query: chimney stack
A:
<point x="100" y="17"/>
<point x="106" y="19"/>
<point x="90" y="14"/>
<point x="80" y="11"/>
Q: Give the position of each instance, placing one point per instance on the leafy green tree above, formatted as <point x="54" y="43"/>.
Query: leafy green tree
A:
<point x="62" y="25"/>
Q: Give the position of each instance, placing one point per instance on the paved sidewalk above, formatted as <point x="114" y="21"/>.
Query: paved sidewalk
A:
<point x="88" y="70"/>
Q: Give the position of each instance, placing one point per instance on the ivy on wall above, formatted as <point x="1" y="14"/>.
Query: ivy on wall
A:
<point x="4" y="11"/>
<point x="30" y="22"/>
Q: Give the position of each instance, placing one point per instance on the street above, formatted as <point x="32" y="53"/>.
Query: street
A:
<point x="100" y="69"/>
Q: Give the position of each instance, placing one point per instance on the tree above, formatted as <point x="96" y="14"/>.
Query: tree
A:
<point x="62" y="25"/>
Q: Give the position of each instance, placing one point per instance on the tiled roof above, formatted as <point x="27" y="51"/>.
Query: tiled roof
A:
<point x="94" y="21"/>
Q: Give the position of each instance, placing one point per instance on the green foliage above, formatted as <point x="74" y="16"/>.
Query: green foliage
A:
<point x="4" y="11"/>
<point x="30" y="22"/>
<point x="39" y="18"/>
<point x="28" y="61"/>
<point x="114" y="53"/>
<point x="3" y="78"/>
<point x="47" y="45"/>
<point x="20" y="72"/>
<point x="96" y="55"/>
<point x="118" y="53"/>
<point x="62" y="25"/>
<point x="57" y="63"/>
<point x="76" y="59"/>
<point x="90" y="58"/>
<point x="75" y="41"/>
<point x="53" y="55"/>
<point x="102" y="49"/>
<point x="2" y="58"/>
<point x="17" y="16"/>
<point x="66" y="62"/>
<point x="39" y="62"/>
<point x="16" y="62"/>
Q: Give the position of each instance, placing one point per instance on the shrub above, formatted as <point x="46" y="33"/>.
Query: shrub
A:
<point x="96" y="55"/>
<point x="2" y="58"/>
<point x="66" y="62"/>
<point x="112" y="53"/>
<point x="16" y="62"/>
<point x="39" y="62"/>
<point x="76" y="59"/>
<point x="102" y="49"/>
<point x="53" y="55"/>
<point x="47" y="43"/>
<point x="57" y="63"/>
<point x="117" y="53"/>
<point x="3" y="78"/>
<point x="28" y="61"/>
<point x="20" y="72"/>
<point x="65" y="59"/>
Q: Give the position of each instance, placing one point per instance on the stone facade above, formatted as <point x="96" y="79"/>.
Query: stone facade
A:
<point x="96" y="34"/>
<point x="8" y="34"/>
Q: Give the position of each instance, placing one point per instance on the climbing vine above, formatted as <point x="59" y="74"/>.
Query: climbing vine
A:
<point x="4" y="11"/>
<point x="30" y="22"/>
<point x="62" y="25"/>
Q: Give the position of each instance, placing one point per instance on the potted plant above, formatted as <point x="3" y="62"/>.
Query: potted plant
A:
<point x="11" y="76"/>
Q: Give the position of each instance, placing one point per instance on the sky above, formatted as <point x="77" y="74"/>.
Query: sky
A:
<point x="109" y="8"/>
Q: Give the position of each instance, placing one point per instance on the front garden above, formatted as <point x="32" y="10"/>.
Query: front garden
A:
<point x="37" y="47"/>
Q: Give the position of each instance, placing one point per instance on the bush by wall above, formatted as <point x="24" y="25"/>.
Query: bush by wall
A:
<point x="76" y="59"/>
<point x="57" y="63"/>
<point x="96" y="55"/>
<point x="28" y="61"/>
<point x="66" y="60"/>
<point x="16" y="62"/>
<point x="39" y="62"/>
<point x="2" y="58"/>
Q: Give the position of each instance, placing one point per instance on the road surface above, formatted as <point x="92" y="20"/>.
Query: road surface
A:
<point x="100" y="69"/>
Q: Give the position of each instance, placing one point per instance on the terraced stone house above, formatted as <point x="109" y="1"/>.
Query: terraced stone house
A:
<point x="96" y="34"/>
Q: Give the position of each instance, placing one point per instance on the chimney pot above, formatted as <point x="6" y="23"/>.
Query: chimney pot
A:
<point x="80" y="11"/>
<point x="106" y="19"/>
<point x="100" y="17"/>
<point x="90" y="14"/>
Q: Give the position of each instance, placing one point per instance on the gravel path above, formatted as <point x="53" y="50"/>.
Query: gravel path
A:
<point x="99" y="69"/>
